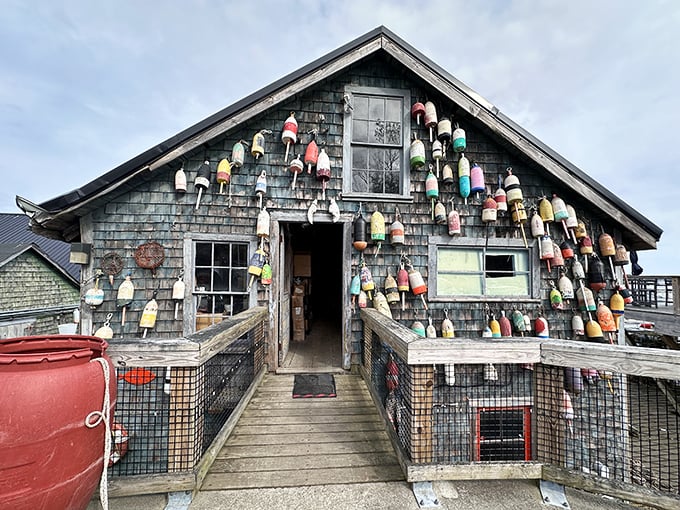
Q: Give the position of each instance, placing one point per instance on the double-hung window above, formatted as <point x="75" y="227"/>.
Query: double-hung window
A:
<point x="479" y="268"/>
<point x="375" y="151"/>
<point x="219" y="278"/>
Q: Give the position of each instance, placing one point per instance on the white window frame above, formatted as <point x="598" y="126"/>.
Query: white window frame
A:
<point x="404" y="196"/>
<point x="190" y="241"/>
<point x="436" y="242"/>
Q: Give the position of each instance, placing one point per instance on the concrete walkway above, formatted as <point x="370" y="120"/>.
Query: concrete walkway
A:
<point x="477" y="495"/>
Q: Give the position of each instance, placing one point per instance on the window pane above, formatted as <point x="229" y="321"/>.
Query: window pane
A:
<point x="221" y="255"/>
<point x="203" y="254"/>
<point x="377" y="182"/>
<point x="360" y="158"/>
<point x="393" y="110"/>
<point x="377" y="159"/>
<point x="221" y="279"/>
<point x="376" y="107"/>
<point x="360" y="182"/>
<point x="508" y="286"/>
<point x="393" y="133"/>
<point x="240" y="303"/>
<point x="239" y="255"/>
<point x="202" y="278"/>
<point x="239" y="280"/>
<point x="392" y="182"/>
<point x="376" y="132"/>
<point x="360" y="107"/>
<point x="359" y="130"/>
<point x="459" y="285"/>
<point x="498" y="266"/>
<point x="459" y="260"/>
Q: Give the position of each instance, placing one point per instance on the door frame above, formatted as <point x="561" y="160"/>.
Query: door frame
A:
<point x="278" y="217"/>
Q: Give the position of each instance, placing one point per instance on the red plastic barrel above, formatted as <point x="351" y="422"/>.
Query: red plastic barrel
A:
<point x="49" y="458"/>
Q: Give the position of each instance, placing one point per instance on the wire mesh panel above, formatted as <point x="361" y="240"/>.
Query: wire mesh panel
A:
<point x="167" y="417"/>
<point x="654" y="433"/>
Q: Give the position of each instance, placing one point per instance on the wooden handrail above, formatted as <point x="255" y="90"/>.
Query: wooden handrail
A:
<point x="191" y="351"/>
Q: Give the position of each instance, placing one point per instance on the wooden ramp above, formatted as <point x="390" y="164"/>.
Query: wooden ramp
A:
<point x="285" y="442"/>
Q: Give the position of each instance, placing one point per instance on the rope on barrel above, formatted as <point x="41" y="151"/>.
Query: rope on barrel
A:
<point x="94" y="419"/>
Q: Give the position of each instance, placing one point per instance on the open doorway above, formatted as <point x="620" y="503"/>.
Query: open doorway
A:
<point x="315" y="265"/>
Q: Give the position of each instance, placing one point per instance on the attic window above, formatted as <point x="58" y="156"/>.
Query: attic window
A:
<point x="377" y="126"/>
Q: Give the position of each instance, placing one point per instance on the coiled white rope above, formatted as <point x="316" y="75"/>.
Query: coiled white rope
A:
<point x="95" y="418"/>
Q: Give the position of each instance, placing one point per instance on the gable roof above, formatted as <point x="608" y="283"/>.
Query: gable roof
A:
<point x="10" y="251"/>
<point x="14" y="229"/>
<point x="58" y="217"/>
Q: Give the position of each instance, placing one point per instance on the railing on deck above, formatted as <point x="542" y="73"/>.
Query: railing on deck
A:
<point x="179" y="398"/>
<point x="583" y="414"/>
<point x="656" y="291"/>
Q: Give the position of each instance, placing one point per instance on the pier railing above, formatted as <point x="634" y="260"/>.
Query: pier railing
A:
<point x="599" y="417"/>
<point x="178" y="400"/>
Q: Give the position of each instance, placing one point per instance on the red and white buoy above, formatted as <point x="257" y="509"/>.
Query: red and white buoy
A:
<point x="223" y="174"/>
<point x="323" y="171"/>
<point x="311" y="155"/>
<point x="430" y="117"/>
<point x="296" y="166"/>
<point x="418" y="111"/>
<point x="289" y="133"/>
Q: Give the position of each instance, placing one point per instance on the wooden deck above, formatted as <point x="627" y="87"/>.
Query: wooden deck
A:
<point x="285" y="442"/>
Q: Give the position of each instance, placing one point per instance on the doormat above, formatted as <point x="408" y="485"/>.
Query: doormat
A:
<point x="314" y="386"/>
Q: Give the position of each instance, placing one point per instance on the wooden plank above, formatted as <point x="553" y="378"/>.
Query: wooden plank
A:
<point x="474" y="351"/>
<point x="490" y="471"/>
<point x="394" y="334"/>
<point x="309" y="428"/>
<point x="626" y="491"/>
<point x="238" y="439"/>
<point x="213" y="450"/>
<point x="299" y="404"/>
<point x="183" y="420"/>
<point x="122" y="486"/>
<point x="303" y="477"/>
<point x="217" y="338"/>
<point x="250" y="421"/>
<point x="665" y="322"/>
<point x="640" y="361"/>
<point x="333" y="448"/>
<point x="154" y="352"/>
<point x="294" y="462"/>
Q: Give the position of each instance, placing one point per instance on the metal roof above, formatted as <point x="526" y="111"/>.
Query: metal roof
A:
<point x="10" y="251"/>
<point x="14" y="230"/>
<point x="59" y="216"/>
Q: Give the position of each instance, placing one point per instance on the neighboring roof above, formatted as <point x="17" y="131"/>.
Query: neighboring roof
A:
<point x="10" y="251"/>
<point x="59" y="216"/>
<point x="14" y="229"/>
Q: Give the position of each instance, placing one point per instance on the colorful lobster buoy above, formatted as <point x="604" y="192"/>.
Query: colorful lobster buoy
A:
<point x="402" y="285"/>
<point x="572" y="222"/>
<point x="311" y="155"/>
<point x="223" y="174"/>
<point x="447" y="174"/>
<point x="202" y="181"/>
<point x="377" y="229"/>
<point x="431" y="189"/>
<point x="439" y="213"/>
<point x="362" y="300"/>
<point x="418" y="328"/>
<point x="180" y="180"/>
<point x="515" y="200"/>
<point x="418" y="111"/>
<point x="149" y="314"/>
<point x="476" y="178"/>
<point x="124" y="296"/>
<point x="256" y="264"/>
<point x="417" y="284"/>
<point x="459" y="141"/>
<point x="354" y="289"/>
<point x="266" y="275"/>
<point x="536" y="225"/>
<point x="489" y="210"/>
<point x="558" y="260"/>
<point x="622" y="259"/>
<point x="505" y="325"/>
<point x="289" y="134"/>
<point x="417" y="154"/>
<point x="397" y="236"/>
<point x="568" y="249"/>
<point x="617" y="306"/>
<point x="367" y="284"/>
<point x="263" y="221"/>
<point x="430" y="117"/>
<point x="605" y="318"/>
<point x="447" y="326"/>
<point x="596" y="279"/>
<point x="594" y="331"/>
<point x="517" y="319"/>
<point x="585" y="299"/>
<point x="495" y="327"/>
<point x="261" y="188"/>
<point x="565" y="287"/>
<point x="443" y="134"/>
<point x="360" y="242"/>
<point x="463" y="176"/>
<point x="257" y="147"/>
<point x="545" y="210"/>
<point x="501" y="198"/>
<point x="296" y="166"/>
<point x="380" y="304"/>
<point x="430" y="331"/>
<point x="178" y="289"/>
<point x="453" y="221"/>
<point x="437" y="153"/>
<point x="391" y="290"/>
<point x="238" y="154"/>
<point x="541" y="327"/>
<point x="546" y="249"/>
<point x="577" y="326"/>
<point x="560" y="212"/>
<point x="607" y="249"/>
<point x="323" y="171"/>
<point x="556" y="301"/>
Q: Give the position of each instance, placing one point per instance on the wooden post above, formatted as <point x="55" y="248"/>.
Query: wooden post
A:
<point x="368" y="348"/>
<point x="420" y="398"/>
<point x="676" y="295"/>
<point x="182" y="441"/>
<point x="549" y="415"/>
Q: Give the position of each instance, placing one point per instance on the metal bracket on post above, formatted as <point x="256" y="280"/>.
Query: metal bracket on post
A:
<point x="553" y="494"/>
<point x="425" y="496"/>
<point x="179" y="500"/>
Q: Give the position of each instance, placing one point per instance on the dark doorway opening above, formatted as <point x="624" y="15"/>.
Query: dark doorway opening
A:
<point x="317" y="271"/>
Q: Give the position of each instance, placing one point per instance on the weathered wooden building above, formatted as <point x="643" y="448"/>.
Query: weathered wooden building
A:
<point x="356" y="104"/>
<point x="358" y="101"/>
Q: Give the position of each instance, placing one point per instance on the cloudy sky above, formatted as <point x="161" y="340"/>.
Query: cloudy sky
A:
<point x="87" y="85"/>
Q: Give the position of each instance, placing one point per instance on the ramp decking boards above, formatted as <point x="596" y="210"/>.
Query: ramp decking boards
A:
<point x="284" y="442"/>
